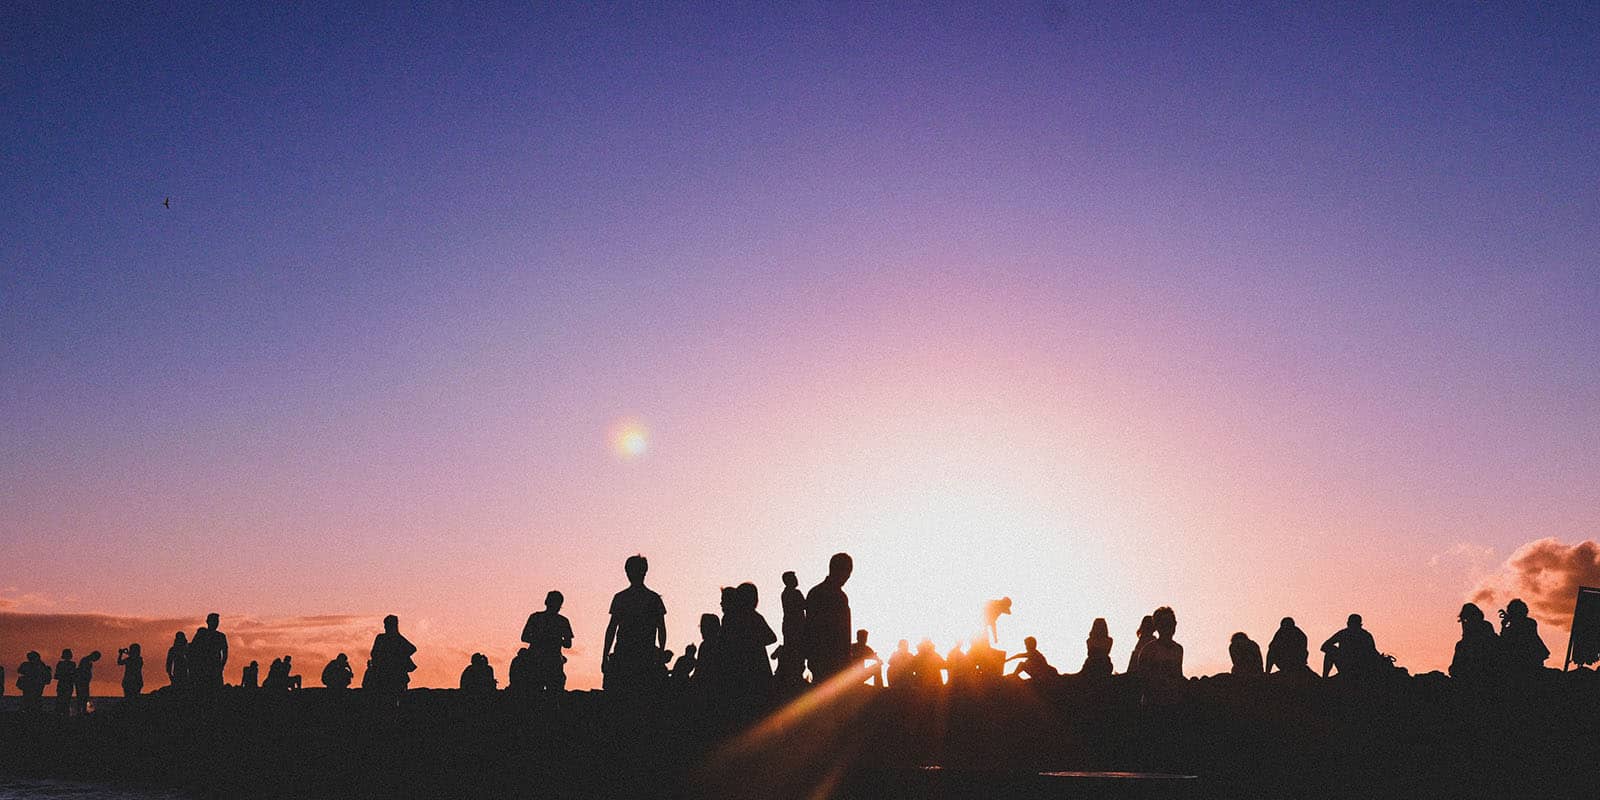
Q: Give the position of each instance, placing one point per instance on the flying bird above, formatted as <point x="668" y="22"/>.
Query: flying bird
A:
<point x="167" y="202"/>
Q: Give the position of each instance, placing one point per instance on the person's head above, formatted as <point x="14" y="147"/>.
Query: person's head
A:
<point x="925" y="646"/>
<point x="287" y="661"/>
<point x="666" y="656"/>
<point x="790" y="580"/>
<point x="903" y="647"/>
<point x="1147" y="626"/>
<point x="1164" y="621"/>
<point x="861" y="636"/>
<point x="710" y="626"/>
<point x="689" y="650"/>
<point x="480" y="659"/>
<point x="342" y="658"/>
<point x="1470" y="613"/>
<point x="212" y="620"/>
<point x="33" y="655"/>
<point x="553" y="601"/>
<point x="133" y="649"/>
<point x="728" y="599"/>
<point x="93" y="656"/>
<point x="955" y="652"/>
<point x="1238" y="638"/>
<point x="66" y="655"/>
<point x="1030" y="643"/>
<point x="1005" y="605"/>
<point x="748" y="595"/>
<point x="1354" y="621"/>
<point x="840" y="567"/>
<point x="391" y="624"/>
<point x="254" y="665"/>
<point x="179" y="638"/>
<point x="1516" y="609"/>
<point x="1098" y="629"/>
<point x="1288" y="622"/>
<point x="636" y="566"/>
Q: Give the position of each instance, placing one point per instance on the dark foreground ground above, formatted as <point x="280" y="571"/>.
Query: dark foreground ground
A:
<point x="1406" y="737"/>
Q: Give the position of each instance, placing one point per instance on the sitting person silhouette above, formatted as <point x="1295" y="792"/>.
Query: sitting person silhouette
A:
<point x="547" y="633"/>
<point x="1350" y="651"/>
<point x="478" y="678"/>
<point x="33" y="677"/>
<point x="866" y="659"/>
<point x="391" y="665"/>
<point x="958" y="668"/>
<point x="132" y="662"/>
<point x="684" y="668"/>
<point x="992" y="610"/>
<point x="988" y="663"/>
<point x="290" y="680"/>
<point x="1033" y="665"/>
<point x="927" y="667"/>
<point x="828" y="625"/>
<point x="84" y="681"/>
<point x="1521" y="647"/>
<point x="637" y="633"/>
<point x="66" y="681"/>
<point x="1143" y="636"/>
<point x="902" y="667"/>
<point x="250" y="677"/>
<point x="338" y="674"/>
<point x="1288" y="650"/>
<point x="178" y="661"/>
<point x="1245" y="655"/>
<point x="1477" y="653"/>
<point x="1161" y="657"/>
<point x="1098" y="663"/>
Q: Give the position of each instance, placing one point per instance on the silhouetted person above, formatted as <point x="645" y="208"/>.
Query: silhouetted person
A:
<point x="927" y="666"/>
<point x="290" y="680"/>
<point x="957" y="668"/>
<point x="1097" y="664"/>
<point x="132" y="662"/>
<point x="1143" y="636"/>
<point x="1245" y="655"/>
<point x="637" y="633"/>
<point x="280" y="677"/>
<point x="862" y="654"/>
<point x="684" y="669"/>
<point x="828" y="621"/>
<point x="1162" y="657"/>
<point x="178" y="661"/>
<point x="391" y="654"/>
<point x="478" y="678"/>
<point x="1288" y="650"/>
<point x="84" y="680"/>
<point x="251" y="677"/>
<point x="1477" y="653"/>
<point x="1351" y="650"/>
<point x="338" y="673"/>
<point x="33" y="675"/>
<point x="792" y="656"/>
<point x="988" y="662"/>
<point x="66" y="681"/>
<point x="902" y="666"/>
<point x="708" y="659"/>
<point x="1034" y="665"/>
<point x="547" y="633"/>
<point x="745" y="637"/>
<point x="992" y="610"/>
<point x="1520" y="645"/>
<point x="208" y="654"/>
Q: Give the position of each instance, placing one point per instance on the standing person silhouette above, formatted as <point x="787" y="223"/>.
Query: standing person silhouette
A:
<point x="208" y="655"/>
<point x="637" y="633"/>
<point x="1098" y="662"/>
<point x="547" y="633"/>
<point x="991" y="617"/>
<point x="1288" y="650"/>
<point x="745" y="638"/>
<point x="1162" y="657"/>
<point x="178" y="662"/>
<point x="33" y="676"/>
<point x="132" y="662"/>
<point x="792" y="655"/>
<point x="391" y="664"/>
<point x="1350" y="650"/>
<point x="902" y="666"/>
<point x="828" y="621"/>
<point x="1477" y="654"/>
<point x="84" y="681"/>
<point x="66" y="680"/>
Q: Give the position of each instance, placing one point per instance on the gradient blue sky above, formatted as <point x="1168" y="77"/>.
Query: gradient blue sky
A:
<point x="1311" y="294"/>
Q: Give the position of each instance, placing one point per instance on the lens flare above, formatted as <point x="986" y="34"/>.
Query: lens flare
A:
<point x="629" y="439"/>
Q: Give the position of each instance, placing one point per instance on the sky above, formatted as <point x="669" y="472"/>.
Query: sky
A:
<point x="1252" y="311"/>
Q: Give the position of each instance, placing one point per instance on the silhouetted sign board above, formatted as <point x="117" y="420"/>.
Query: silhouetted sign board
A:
<point x="1584" y="646"/>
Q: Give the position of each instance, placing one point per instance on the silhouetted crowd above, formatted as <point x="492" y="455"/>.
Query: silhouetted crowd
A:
<point x="732" y="662"/>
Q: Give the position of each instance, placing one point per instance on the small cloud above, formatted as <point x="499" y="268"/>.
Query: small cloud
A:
<point x="1546" y="574"/>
